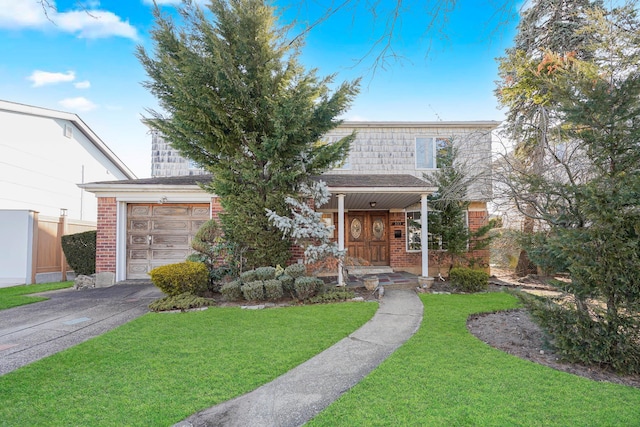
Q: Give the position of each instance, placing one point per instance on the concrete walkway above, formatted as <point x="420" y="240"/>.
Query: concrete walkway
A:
<point x="297" y="396"/>
<point x="34" y="331"/>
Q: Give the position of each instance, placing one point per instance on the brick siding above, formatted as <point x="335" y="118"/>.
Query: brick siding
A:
<point x="106" y="236"/>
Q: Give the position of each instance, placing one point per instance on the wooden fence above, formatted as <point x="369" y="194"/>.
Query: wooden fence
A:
<point x="48" y="256"/>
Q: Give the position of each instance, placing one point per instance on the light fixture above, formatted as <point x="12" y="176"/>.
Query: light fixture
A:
<point x="163" y="200"/>
<point x="373" y="204"/>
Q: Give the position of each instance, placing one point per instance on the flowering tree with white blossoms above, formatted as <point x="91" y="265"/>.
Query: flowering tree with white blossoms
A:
<point x="305" y="225"/>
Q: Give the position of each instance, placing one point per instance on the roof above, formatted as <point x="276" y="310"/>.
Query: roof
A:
<point x="391" y="182"/>
<point x="163" y="180"/>
<point x="479" y="124"/>
<point x="387" y="191"/>
<point x="77" y="121"/>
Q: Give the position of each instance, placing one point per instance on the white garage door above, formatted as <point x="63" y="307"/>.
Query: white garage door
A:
<point x="160" y="234"/>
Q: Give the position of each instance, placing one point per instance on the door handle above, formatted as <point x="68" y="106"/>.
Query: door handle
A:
<point x="149" y="239"/>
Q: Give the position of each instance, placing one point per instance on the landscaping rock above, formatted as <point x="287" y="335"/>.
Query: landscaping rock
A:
<point x="84" y="282"/>
<point x="253" y="307"/>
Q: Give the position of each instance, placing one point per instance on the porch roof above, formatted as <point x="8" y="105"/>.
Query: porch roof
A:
<point x="375" y="192"/>
<point x="392" y="191"/>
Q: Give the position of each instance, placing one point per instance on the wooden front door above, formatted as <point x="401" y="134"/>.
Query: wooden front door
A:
<point x="368" y="236"/>
<point x="160" y="234"/>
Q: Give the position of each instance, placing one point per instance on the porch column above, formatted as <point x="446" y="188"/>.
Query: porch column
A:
<point x="424" y="235"/>
<point x="340" y="236"/>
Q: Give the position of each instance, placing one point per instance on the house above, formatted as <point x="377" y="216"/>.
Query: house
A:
<point x="378" y="200"/>
<point x="166" y="161"/>
<point x="44" y="154"/>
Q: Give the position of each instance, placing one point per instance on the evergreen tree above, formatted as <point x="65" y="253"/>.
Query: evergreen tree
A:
<point x="598" y="100"/>
<point x="446" y="219"/>
<point x="548" y="25"/>
<point x="238" y="103"/>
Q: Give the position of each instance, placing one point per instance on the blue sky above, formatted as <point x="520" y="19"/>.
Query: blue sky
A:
<point x="82" y="61"/>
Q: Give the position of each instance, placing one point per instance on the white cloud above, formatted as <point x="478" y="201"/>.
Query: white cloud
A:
<point x="85" y="84"/>
<point x="41" y="78"/>
<point x="91" y="23"/>
<point x="170" y="2"/>
<point x="95" y="24"/>
<point x="161" y="2"/>
<point x="78" y="104"/>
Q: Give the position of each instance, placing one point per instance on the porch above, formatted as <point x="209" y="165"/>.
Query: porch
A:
<point x="369" y="215"/>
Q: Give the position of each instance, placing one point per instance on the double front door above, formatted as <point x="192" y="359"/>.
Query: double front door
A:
<point x="368" y="236"/>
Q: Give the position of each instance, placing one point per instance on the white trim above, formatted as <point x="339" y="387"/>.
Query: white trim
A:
<point x="155" y="197"/>
<point x="488" y="124"/>
<point x="340" y="235"/>
<point x="424" y="232"/>
<point x="395" y="190"/>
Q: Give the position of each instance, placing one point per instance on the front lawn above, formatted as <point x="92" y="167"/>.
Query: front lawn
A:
<point x="161" y="368"/>
<point x="16" y="295"/>
<point x="445" y="376"/>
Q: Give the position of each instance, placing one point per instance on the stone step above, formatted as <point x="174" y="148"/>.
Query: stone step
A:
<point x="368" y="270"/>
<point x="411" y="285"/>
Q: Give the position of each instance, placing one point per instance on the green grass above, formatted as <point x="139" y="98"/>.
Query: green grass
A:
<point x="161" y="368"/>
<point x="16" y="295"/>
<point x="444" y="376"/>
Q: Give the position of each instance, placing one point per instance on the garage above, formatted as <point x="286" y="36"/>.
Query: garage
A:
<point x="160" y="234"/>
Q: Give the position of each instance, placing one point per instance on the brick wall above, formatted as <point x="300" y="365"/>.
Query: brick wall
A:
<point x="106" y="237"/>
<point x="216" y="208"/>
<point x="399" y="257"/>
<point x="412" y="261"/>
<point x="478" y="219"/>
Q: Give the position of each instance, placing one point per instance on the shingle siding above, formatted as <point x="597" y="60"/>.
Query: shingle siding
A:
<point x="380" y="150"/>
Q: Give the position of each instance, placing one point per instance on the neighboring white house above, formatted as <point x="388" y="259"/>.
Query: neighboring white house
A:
<point x="44" y="154"/>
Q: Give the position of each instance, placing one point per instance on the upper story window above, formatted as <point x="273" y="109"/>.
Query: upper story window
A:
<point x="430" y="151"/>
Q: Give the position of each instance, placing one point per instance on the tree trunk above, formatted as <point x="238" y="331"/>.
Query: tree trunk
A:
<point x="525" y="266"/>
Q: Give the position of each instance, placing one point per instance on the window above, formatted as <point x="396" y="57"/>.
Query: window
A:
<point x="414" y="232"/>
<point x="430" y="151"/>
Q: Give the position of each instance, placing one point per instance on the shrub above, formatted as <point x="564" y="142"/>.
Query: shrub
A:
<point x="306" y="287"/>
<point x="287" y="284"/>
<point x="232" y="291"/>
<point x="273" y="289"/>
<point x="253" y="291"/>
<point x="265" y="273"/>
<point x="332" y="296"/>
<point x="175" y="279"/>
<point x="296" y="270"/>
<point x="249" y="276"/>
<point x="185" y="301"/>
<point x="468" y="280"/>
<point x="80" y="251"/>
<point x="579" y="337"/>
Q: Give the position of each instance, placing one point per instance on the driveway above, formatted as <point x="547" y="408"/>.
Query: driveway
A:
<point x="34" y="331"/>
